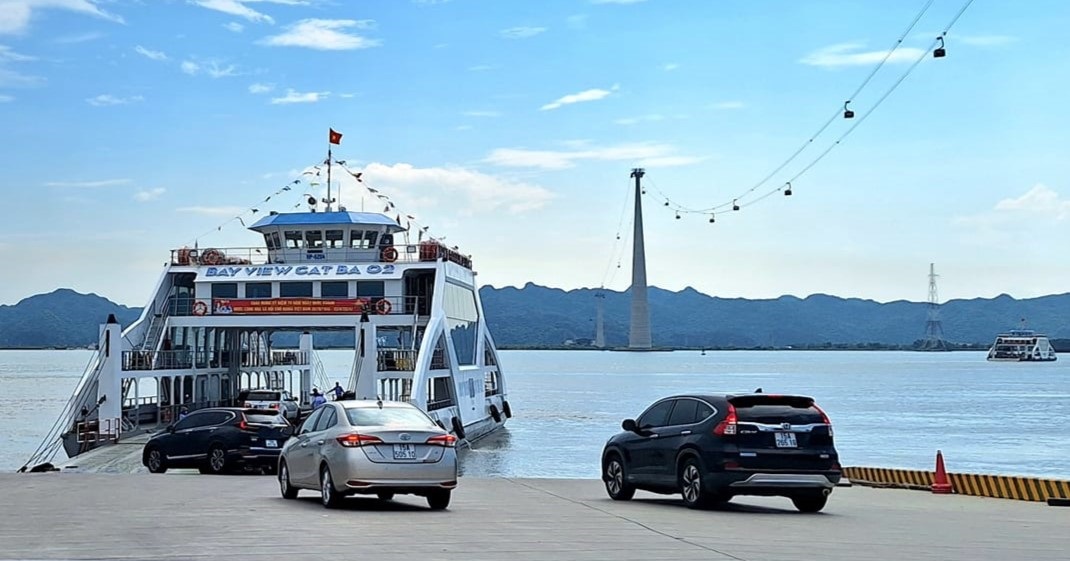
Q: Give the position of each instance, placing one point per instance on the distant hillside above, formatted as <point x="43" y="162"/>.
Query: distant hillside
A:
<point x="536" y="316"/>
<point x="63" y="318"/>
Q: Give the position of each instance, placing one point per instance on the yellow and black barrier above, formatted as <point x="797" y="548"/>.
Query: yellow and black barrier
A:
<point x="994" y="486"/>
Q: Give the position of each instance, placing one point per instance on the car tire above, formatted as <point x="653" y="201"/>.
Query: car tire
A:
<point x="216" y="462"/>
<point x="156" y="460"/>
<point x="692" y="490"/>
<point x="810" y="503"/>
<point x="385" y="496"/>
<point x="616" y="479"/>
<point x="329" y="496"/>
<point x="287" y="490"/>
<point x="439" y="499"/>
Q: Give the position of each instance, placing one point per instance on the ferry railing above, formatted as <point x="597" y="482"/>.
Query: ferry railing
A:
<point x="184" y="359"/>
<point x="241" y="256"/>
<point x="439" y="404"/>
<point x="396" y="360"/>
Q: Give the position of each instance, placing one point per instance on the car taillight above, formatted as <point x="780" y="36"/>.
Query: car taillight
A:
<point x="824" y="418"/>
<point x="728" y="426"/>
<point x="447" y="440"/>
<point x="353" y="440"/>
<point x="274" y="405"/>
<point x="242" y="425"/>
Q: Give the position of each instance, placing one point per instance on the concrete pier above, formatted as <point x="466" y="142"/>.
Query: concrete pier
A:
<point x="189" y="516"/>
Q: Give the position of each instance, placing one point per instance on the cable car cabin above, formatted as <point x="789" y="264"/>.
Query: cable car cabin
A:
<point x="331" y="237"/>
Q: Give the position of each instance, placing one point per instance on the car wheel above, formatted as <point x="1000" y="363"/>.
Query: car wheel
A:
<point x="156" y="461"/>
<point x="616" y="480"/>
<point x="810" y="503"/>
<point x="384" y="496"/>
<point x="217" y="460"/>
<point x="328" y="495"/>
<point x="288" y="491"/>
<point x="439" y="499"/>
<point x="691" y="489"/>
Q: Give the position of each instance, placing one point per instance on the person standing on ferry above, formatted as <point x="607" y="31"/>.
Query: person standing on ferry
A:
<point x="317" y="399"/>
<point x="338" y="391"/>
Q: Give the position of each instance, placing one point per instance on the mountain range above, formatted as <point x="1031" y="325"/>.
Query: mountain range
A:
<point x="536" y="316"/>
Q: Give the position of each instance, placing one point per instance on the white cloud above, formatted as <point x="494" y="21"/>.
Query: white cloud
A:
<point x="234" y="26"/>
<point x="15" y="15"/>
<point x="726" y="105"/>
<point x="324" y="35"/>
<point x="644" y="153"/>
<point x="106" y="100"/>
<point x="299" y="97"/>
<point x="8" y="55"/>
<point x="586" y="95"/>
<point x="79" y="38"/>
<point x="154" y="55"/>
<point x="482" y="114"/>
<point x="6" y="98"/>
<point x="88" y="184"/>
<point x="212" y="68"/>
<point x="637" y="120"/>
<point x="1041" y="200"/>
<point x="239" y="8"/>
<point x="479" y="192"/>
<point x="984" y="40"/>
<point x="12" y="79"/>
<point x="522" y="32"/>
<point x="145" y="196"/>
<point x="212" y="210"/>
<point x="849" y="54"/>
<point x="670" y="67"/>
<point x="190" y="67"/>
<point x="261" y="88"/>
<point x="347" y="95"/>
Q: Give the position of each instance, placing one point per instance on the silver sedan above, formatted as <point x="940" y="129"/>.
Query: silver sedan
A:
<point x="373" y="448"/>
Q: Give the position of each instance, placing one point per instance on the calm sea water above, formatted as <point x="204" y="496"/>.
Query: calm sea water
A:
<point x="890" y="409"/>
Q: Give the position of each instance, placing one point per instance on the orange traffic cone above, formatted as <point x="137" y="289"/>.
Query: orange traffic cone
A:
<point x="941" y="484"/>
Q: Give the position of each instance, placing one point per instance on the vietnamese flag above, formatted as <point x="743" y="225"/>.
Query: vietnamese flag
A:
<point x="335" y="137"/>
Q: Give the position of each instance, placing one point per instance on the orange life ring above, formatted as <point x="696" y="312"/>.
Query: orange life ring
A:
<point x="200" y="308"/>
<point x="183" y="256"/>
<point x="390" y="254"/>
<point x="383" y="307"/>
<point x="212" y="257"/>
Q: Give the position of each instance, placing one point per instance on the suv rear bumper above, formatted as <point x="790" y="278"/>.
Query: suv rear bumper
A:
<point x="771" y="483"/>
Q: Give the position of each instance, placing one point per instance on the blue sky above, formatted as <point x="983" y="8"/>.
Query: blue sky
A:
<point x="131" y="127"/>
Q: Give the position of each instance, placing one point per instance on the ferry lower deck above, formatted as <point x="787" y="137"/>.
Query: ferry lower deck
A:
<point x="179" y="516"/>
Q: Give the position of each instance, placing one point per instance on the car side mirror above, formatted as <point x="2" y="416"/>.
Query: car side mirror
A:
<point x="629" y="425"/>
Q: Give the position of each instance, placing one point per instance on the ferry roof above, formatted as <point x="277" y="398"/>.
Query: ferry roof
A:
<point x="326" y="219"/>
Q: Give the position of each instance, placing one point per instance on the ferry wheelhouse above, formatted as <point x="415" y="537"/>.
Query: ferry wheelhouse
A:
<point x="224" y="320"/>
<point x="1021" y="345"/>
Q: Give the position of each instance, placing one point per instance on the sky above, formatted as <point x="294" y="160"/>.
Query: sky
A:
<point x="129" y="128"/>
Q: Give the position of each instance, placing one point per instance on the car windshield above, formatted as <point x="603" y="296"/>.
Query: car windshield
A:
<point x="263" y="396"/>
<point x="388" y="417"/>
<point x="265" y="419"/>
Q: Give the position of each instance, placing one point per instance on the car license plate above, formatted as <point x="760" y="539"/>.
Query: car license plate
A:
<point x="786" y="440"/>
<point x="404" y="452"/>
<point x="272" y="443"/>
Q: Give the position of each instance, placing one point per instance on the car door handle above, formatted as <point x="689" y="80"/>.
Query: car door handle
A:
<point x="320" y="442"/>
<point x="303" y="444"/>
<point x="653" y="435"/>
<point x="685" y="432"/>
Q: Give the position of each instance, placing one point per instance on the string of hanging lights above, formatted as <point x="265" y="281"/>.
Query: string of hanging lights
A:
<point x="938" y="50"/>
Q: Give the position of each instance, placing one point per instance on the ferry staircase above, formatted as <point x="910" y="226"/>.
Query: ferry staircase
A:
<point x="153" y="335"/>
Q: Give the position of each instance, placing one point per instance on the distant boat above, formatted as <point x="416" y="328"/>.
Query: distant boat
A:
<point x="1021" y="345"/>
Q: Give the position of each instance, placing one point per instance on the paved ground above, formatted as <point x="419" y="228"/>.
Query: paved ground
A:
<point x="188" y="516"/>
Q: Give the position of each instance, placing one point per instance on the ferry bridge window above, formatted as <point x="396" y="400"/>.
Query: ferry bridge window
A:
<point x="371" y="289"/>
<point x="258" y="290"/>
<point x="356" y="239"/>
<point x="462" y="319"/>
<point x="225" y="290"/>
<point x="295" y="289"/>
<point x="268" y="242"/>
<point x="334" y="289"/>
<point x="335" y="238"/>
<point x="314" y="239"/>
<point x="275" y="241"/>
<point x="294" y="239"/>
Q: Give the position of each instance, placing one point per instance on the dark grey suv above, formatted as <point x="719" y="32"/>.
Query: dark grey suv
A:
<point x="710" y="448"/>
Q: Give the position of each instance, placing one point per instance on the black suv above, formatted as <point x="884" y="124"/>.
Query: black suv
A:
<point x="218" y="440"/>
<point x="710" y="448"/>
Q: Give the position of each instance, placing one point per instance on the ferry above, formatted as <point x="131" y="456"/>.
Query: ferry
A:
<point x="1021" y="345"/>
<point x="226" y="320"/>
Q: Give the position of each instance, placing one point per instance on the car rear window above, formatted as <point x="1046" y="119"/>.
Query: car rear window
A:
<point x="774" y="410"/>
<point x="388" y="417"/>
<point x="265" y="419"/>
<point x="263" y="396"/>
